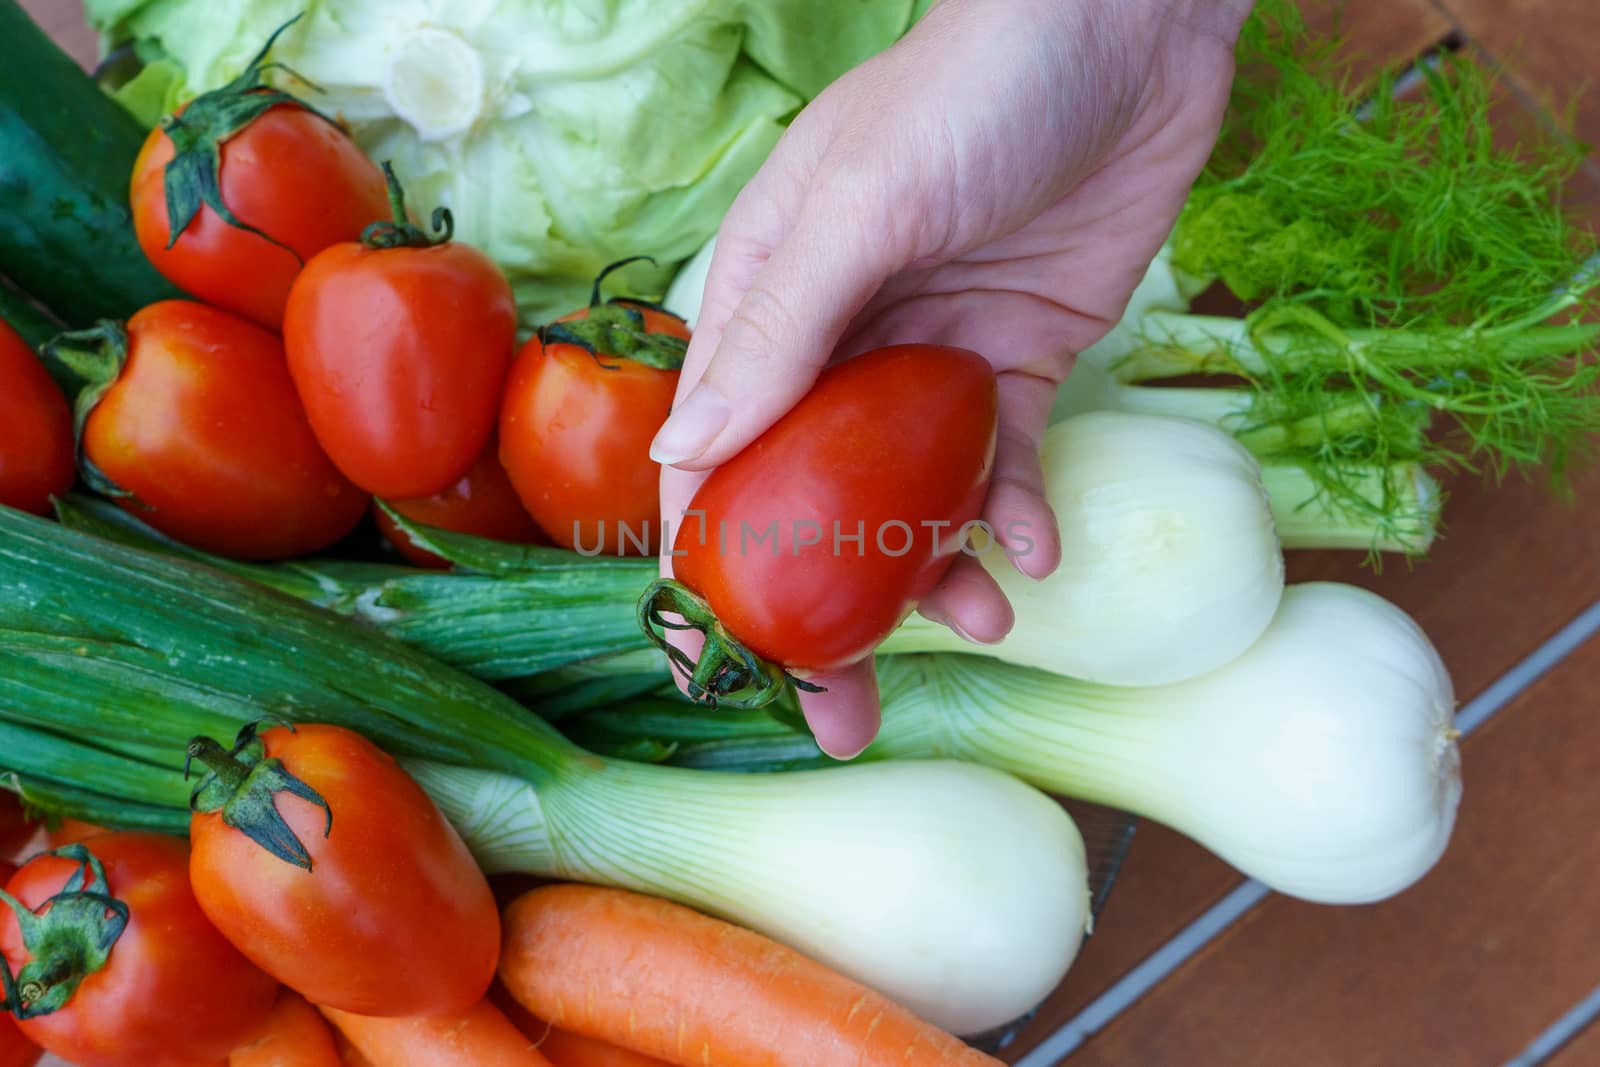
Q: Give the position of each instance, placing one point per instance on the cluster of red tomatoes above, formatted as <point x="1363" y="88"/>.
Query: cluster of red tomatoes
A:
<point x="336" y="353"/>
<point x="135" y="949"/>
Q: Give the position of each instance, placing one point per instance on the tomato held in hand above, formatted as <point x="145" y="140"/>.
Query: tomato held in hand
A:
<point x="36" y="452"/>
<point x="482" y="504"/>
<point x="399" y="346"/>
<point x="119" y="965"/>
<point x="236" y="191"/>
<point x="338" y="876"/>
<point x="196" y="429"/>
<point x="584" y="400"/>
<point x="821" y="536"/>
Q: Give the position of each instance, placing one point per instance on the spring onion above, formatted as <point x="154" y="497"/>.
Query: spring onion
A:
<point x="951" y="888"/>
<point x="1170" y="563"/>
<point x="1322" y="762"/>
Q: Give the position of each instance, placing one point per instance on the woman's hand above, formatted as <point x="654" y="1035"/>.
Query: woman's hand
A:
<point x="997" y="180"/>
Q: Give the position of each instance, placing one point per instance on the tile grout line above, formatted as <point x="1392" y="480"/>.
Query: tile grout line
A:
<point x="1242" y="898"/>
<point x="1564" y="1029"/>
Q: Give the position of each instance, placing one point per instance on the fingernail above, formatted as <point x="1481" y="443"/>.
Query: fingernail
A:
<point x="691" y="427"/>
<point x="842" y="754"/>
<point x="939" y="618"/>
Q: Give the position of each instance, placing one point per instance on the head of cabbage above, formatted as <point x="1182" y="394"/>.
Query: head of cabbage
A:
<point x="562" y="134"/>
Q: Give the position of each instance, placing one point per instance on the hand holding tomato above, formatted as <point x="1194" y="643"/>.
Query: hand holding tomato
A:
<point x="1011" y="215"/>
<point x="113" y="963"/>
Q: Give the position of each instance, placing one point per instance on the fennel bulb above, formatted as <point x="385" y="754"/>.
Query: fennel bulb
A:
<point x="1321" y="762"/>
<point x="953" y="889"/>
<point x="563" y="136"/>
<point x="1170" y="565"/>
<point x="1415" y="291"/>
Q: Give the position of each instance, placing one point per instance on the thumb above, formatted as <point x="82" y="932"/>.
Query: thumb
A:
<point x="780" y="335"/>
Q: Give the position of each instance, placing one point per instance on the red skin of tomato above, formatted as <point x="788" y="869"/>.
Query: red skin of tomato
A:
<point x="575" y="434"/>
<point x="36" y="450"/>
<point x="173" y="993"/>
<point x="394" y="918"/>
<point x="399" y="356"/>
<point x="904" y="433"/>
<point x="289" y="174"/>
<point x="482" y="503"/>
<point x="204" y="428"/>
<point x="15" y="1050"/>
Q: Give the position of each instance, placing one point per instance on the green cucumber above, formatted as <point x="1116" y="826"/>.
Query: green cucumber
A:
<point x="66" y="156"/>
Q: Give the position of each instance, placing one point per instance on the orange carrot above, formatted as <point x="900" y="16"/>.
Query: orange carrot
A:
<point x="566" y="1048"/>
<point x="483" y="1037"/>
<point x="660" y="979"/>
<point x="574" y="1050"/>
<point x="294" y="1035"/>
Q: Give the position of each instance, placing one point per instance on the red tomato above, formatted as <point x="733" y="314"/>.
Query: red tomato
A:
<point x="125" y="1012"/>
<point x="399" y="349"/>
<point x="36" y="449"/>
<point x="482" y="503"/>
<point x="15" y="1050"/>
<point x="293" y="181"/>
<point x="392" y="917"/>
<point x="575" y="431"/>
<point x="819" y="537"/>
<point x="203" y="428"/>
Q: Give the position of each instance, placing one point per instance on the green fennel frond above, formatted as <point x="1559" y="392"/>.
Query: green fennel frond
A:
<point x="1416" y="289"/>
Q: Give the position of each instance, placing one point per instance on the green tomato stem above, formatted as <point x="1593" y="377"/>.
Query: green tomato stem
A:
<point x="68" y="938"/>
<point x="399" y="231"/>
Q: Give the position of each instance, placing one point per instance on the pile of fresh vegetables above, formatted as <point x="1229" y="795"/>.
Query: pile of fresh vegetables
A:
<point x="329" y="605"/>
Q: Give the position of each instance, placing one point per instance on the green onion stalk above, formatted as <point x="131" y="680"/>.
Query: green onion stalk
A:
<point x="1322" y="761"/>
<point x="1414" y="292"/>
<point x="955" y="889"/>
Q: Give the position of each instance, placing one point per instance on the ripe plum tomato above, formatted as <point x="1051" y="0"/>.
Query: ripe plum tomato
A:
<point x="36" y="450"/>
<point x="399" y="346"/>
<point x="336" y="874"/>
<point x="584" y="400"/>
<point x="233" y="193"/>
<point x="820" y="538"/>
<point x="119" y="966"/>
<point x="483" y="503"/>
<point x="196" y="429"/>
